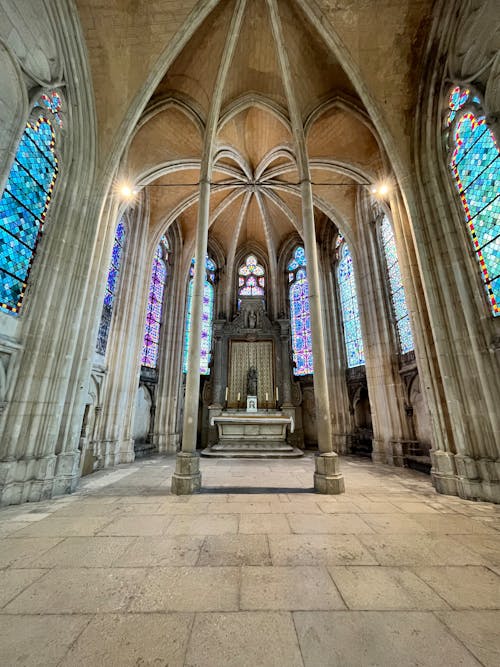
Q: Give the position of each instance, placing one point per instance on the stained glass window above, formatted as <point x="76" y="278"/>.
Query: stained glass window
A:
<point x="396" y="289"/>
<point x="111" y="287"/>
<point x="350" y="309"/>
<point x="151" y="340"/>
<point x="251" y="278"/>
<point x="475" y="166"/>
<point x="23" y="207"/>
<point x="207" y="316"/>
<point x="298" y="292"/>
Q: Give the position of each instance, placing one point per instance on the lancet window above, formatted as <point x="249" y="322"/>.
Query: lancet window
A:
<point x="353" y="338"/>
<point x="475" y="167"/>
<point x="396" y="289"/>
<point x="298" y="292"/>
<point x="207" y="316"/>
<point x="151" y="341"/>
<point x="251" y="278"/>
<point x="26" y="199"/>
<point x="111" y="287"/>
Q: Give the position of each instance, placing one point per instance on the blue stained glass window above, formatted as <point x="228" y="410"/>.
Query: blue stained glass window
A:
<point x="475" y="166"/>
<point x="151" y="342"/>
<point x="207" y="317"/>
<point x="298" y="292"/>
<point x="396" y="289"/>
<point x="350" y="309"/>
<point x="111" y="286"/>
<point x="23" y="209"/>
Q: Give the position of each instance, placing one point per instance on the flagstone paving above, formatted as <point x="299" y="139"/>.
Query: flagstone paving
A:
<point x="255" y="570"/>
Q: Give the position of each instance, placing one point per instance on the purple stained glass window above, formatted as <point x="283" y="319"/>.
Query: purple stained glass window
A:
<point x="207" y="317"/>
<point x="475" y="166"/>
<point x="251" y="278"/>
<point x="111" y="287"/>
<point x="353" y="338"/>
<point x="151" y="341"/>
<point x="300" y="316"/>
<point x="396" y="289"/>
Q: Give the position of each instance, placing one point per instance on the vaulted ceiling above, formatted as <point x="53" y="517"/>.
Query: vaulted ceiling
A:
<point x="255" y="183"/>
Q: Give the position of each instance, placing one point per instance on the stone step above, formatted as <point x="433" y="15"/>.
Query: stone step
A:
<point x="258" y="450"/>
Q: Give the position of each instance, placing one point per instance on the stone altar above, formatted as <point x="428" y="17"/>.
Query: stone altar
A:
<point x="252" y="435"/>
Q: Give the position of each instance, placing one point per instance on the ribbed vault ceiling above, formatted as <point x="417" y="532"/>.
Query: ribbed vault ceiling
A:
<point x="255" y="183"/>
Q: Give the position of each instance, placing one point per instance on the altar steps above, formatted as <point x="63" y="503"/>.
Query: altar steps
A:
<point x="253" y="450"/>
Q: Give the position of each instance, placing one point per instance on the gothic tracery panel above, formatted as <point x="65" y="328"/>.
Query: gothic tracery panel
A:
<point x="207" y="317"/>
<point x="396" y="289"/>
<point x="111" y="288"/>
<point x="353" y="338"/>
<point x="151" y="341"/>
<point x="298" y="292"/>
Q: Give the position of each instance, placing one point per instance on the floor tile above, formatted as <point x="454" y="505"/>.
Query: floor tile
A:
<point x="137" y="526"/>
<point x="276" y="524"/>
<point x="235" y="550"/>
<point x="67" y="526"/>
<point x="288" y="588"/>
<point x="38" y="641"/>
<point x="189" y="589"/>
<point x="218" y="524"/>
<point x="312" y="524"/>
<point x="20" y="552"/>
<point x="13" y="582"/>
<point x="478" y="630"/>
<point x="378" y="639"/>
<point x="464" y="587"/>
<point x="79" y="591"/>
<point x="265" y="639"/>
<point x="314" y="549"/>
<point x="84" y="551"/>
<point x="132" y="640"/>
<point x="380" y="588"/>
<point x="164" y="551"/>
<point x="419" y="550"/>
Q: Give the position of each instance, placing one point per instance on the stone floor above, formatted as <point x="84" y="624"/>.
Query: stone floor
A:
<point x="256" y="570"/>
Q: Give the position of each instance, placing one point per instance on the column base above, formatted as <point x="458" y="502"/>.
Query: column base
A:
<point x="327" y="477"/>
<point x="187" y="477"/>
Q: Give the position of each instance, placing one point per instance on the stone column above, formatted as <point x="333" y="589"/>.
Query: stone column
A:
<point x="187" y="478"/>
<point x="123" y="353"/>
<point x="327" y="478"/>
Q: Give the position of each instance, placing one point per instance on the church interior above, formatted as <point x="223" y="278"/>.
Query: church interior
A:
<point x="250" y="332"/>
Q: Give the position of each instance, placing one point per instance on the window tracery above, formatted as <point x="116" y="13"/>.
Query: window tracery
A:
<point x="111" y="287"/>
<point x="251" y="278"/>
<point x="25" y="202"/>
<point x="207" y="316"/>
<point x="151" y="341"/>
<point x="349" y="306"/>
<point x="298" y="292"/>
<point x="396" y="289"/>
<point x="475" y="167"/>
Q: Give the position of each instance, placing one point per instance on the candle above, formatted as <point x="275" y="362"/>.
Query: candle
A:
<point x="267" y="397"/>
<point x="277" y="395"/>
<point x="225" y="397"/>
<point x="239" y="396"/>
